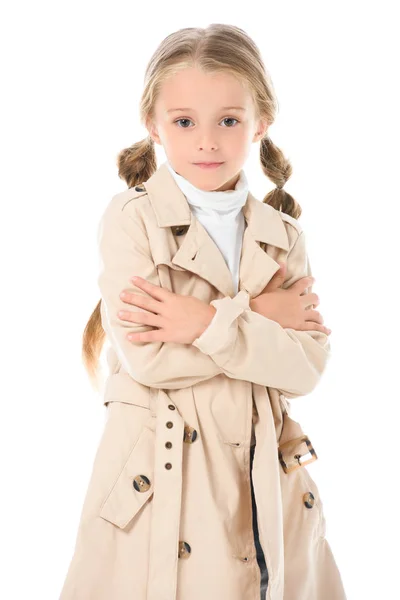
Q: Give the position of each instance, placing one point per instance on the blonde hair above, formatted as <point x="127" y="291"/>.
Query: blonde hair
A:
<point x="216" y="48"/>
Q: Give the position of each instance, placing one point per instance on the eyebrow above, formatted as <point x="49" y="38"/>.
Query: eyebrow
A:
<point x="222" y="108"/>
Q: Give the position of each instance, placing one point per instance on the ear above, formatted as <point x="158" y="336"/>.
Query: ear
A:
<point x="152" y="129"/>
<point x="261" y="130"/>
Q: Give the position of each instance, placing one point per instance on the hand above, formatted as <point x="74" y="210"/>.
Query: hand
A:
<point x="178" y="318"/>
<point x="289" y="307"/>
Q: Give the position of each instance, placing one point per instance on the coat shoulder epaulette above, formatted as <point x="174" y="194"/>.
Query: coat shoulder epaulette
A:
<point x="292" y="221"/>
<point x="130" y="194"/>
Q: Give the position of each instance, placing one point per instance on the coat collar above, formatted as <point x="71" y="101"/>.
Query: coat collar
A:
<point x="198" y="252"/>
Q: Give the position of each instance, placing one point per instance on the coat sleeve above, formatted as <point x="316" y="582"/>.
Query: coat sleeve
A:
<point x="123" y="252"/>
<point x="249" y="346"/>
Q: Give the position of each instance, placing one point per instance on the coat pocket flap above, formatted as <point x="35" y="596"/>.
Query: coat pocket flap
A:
<point x="134" y="485"/>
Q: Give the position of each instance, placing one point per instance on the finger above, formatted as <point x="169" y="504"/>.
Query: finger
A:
<point x="303" y="283"/>
<point x="156" y="335"/>
<point x="312" y="326"/>
<point x="280" y="273"/>
<point x="154" y="290"/>
<point x="142" y="317"/>
<point x="277" y="279"/>
<point x="315" y="316"/>
<point x="282" y="269"/>
<point x="311" y="299"/>
<point x="144" y="302"/>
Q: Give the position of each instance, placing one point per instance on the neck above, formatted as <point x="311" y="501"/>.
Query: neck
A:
<point x="224" y="199"/>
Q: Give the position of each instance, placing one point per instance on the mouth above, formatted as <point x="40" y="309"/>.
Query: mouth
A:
<point x="208" y="165"/>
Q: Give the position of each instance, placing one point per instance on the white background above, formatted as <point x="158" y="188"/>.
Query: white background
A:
<point x="72" y="74"/>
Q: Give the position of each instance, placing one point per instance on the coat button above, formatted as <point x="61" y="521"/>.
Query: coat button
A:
<point x="141" y="483"/>
<point x="140" y="188"/>
<point x="179" y="229"/>
<point x="308" y="499"/>
<point x="184" y="550"/>
<point x="171" y="407"/>
<point x="168" y="466"/>
<point x="168" y="444"/>
<point x="169" y="424"/>
<point x="189" y="434"/>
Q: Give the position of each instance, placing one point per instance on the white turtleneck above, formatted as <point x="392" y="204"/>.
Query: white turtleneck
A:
<point x="220" y="213"/>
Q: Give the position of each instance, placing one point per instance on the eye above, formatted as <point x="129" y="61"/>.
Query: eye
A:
<point x="183" y="119"/>
<point x="225" y="119"/>
<point x="230" y="119"/>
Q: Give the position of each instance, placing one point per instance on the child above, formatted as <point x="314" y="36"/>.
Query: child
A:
<point x="198" y="489"/>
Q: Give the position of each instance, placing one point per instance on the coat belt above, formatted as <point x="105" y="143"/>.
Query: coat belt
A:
<point x="166" y="501"/>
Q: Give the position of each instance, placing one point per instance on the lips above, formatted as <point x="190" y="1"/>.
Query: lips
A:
<point x="208" y="164"/>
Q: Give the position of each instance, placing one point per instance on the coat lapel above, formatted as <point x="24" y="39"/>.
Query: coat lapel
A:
<point x="197" y="251"/>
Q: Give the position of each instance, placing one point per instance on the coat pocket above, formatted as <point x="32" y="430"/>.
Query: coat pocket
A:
<point x="134" y="485"/>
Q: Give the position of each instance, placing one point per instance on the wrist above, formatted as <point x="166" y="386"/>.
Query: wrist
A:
<point x="206" y="317"/>
<point x="254" y="304"/>
<point x="209" y="315"/>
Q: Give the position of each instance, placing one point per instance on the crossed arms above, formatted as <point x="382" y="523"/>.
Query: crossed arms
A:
<point x="240" y="343"/>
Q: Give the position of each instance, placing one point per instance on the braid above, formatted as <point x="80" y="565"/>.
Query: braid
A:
<point x="137" y="162"/>
<point x="278" y="169"/>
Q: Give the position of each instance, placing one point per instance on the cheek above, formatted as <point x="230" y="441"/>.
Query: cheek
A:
<point x="249" y="135"/>
<point x="240" y="143"/>
<point x="171" y="139"/>
<point x="163" y="133"/>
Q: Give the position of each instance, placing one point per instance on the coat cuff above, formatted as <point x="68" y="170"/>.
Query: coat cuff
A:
<point x="221" y="331"/>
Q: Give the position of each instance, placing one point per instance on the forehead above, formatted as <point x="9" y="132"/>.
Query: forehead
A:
<point x="198" y="90"/>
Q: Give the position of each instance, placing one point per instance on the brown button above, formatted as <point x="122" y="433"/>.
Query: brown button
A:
<point x="140" y="188"/>
<point x="168" y="466"/>
<point x="171" y="407"/>
<point x="168" y="445"/>
<point x="189" y="434"/>
<point x="179" y="229"/>
<point x="184" y="550"/>
<point x="308" y="499"/>
<point x="169" y="424"/>
<point x="141" y="483"/>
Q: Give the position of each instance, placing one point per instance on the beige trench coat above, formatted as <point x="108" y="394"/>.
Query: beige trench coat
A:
<point x="168" y="513"/>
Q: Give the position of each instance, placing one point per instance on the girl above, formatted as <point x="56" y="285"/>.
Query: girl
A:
<point x="199" y="487"/>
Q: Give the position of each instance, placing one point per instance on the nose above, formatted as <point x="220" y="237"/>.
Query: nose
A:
<point x="207" y="141"/>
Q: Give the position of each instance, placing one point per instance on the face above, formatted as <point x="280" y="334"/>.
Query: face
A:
<point x="194" y="122"/>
